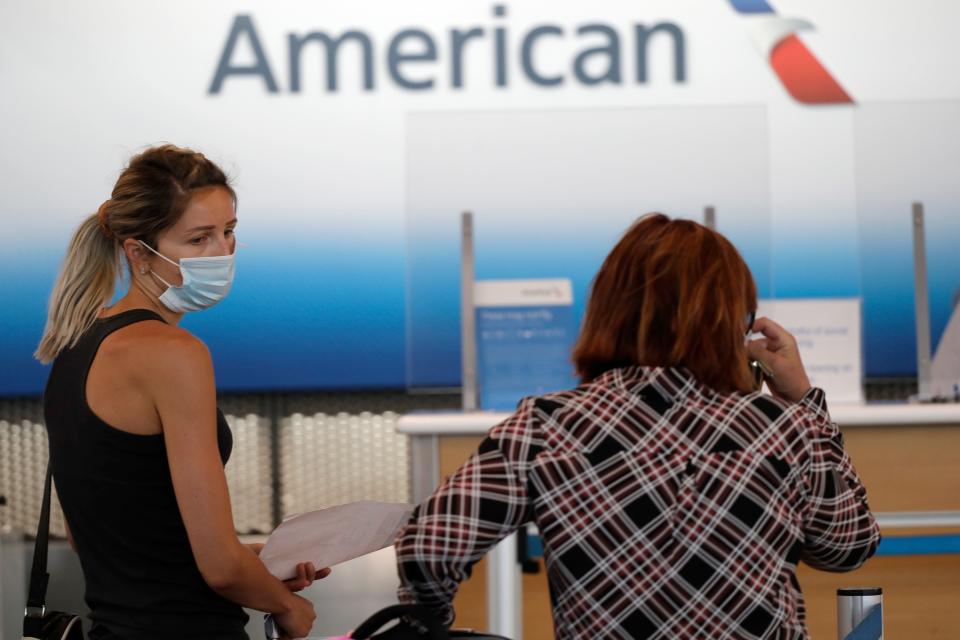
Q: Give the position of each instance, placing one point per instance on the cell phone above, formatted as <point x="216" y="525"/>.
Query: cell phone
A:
<point x="756" y="372"/>
<point x="760" y="374"/>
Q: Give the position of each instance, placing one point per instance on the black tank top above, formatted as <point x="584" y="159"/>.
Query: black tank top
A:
<point x="142" y="581"/>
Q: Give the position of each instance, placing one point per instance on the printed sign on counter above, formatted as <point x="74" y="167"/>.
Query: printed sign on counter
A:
<point x="828" y="334"/>
<point x="525" y="333"/>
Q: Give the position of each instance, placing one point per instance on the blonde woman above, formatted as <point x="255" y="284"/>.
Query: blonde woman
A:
<point x="137" y="444"/>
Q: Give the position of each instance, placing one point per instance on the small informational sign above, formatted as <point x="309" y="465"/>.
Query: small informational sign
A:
<point x="525" y="333"/>
<point x="829" y="336"/>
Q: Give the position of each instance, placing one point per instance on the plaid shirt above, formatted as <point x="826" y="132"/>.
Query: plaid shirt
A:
<point x="667" y="510"/>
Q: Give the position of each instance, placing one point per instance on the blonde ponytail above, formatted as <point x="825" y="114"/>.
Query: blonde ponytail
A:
<point x="86" y="283"/>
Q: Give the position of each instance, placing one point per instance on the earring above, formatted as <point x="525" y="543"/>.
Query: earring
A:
<point x="143" y="271"/>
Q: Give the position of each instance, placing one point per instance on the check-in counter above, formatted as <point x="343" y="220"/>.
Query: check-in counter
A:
<point x="907" y="455"/>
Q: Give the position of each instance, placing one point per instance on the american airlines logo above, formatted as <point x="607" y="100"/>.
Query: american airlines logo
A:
<point x="802" y="74"/>
<point x="420" y="60"/>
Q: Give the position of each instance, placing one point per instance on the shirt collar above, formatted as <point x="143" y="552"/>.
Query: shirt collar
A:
<point x="673" y="383"/>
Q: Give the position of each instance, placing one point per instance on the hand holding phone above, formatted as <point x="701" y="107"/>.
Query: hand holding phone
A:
<point x="778" y="355"/>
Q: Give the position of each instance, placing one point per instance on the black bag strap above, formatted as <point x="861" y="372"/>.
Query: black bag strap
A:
<point x="420" y="614"/>
<point x="37" y="595"/>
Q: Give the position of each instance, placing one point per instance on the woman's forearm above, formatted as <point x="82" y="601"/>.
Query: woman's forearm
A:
<point x="248" y="583"/>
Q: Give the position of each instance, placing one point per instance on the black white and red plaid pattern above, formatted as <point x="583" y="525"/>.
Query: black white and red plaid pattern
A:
<point x="666" y="510"/>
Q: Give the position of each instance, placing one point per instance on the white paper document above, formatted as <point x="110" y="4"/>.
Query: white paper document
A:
<point x="331" y="536"/>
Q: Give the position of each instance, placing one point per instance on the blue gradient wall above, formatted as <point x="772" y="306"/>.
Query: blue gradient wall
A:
<point x="304" y="314"/>
<point x="350" y="197"/>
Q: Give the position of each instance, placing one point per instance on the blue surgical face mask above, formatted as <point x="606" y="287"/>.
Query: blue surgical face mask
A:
<point x="206" y="281"/>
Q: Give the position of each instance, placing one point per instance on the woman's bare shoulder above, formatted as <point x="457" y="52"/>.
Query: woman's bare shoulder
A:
<point x="154" y="345"/>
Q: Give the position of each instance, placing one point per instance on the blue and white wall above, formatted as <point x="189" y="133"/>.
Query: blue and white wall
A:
<point x="349" y="196"/>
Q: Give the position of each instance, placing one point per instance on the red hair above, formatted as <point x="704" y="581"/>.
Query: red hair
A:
<point x="672" y="293"/>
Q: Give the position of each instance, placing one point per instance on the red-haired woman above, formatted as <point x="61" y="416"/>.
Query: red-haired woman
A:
<point x="673" y="498"/>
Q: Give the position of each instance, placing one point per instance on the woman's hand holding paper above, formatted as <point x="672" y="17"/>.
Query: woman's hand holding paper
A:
<point x="306" y="573"/>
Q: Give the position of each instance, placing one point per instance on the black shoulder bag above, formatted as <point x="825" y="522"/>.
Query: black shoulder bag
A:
<point x="414" y="622"/>
<point x="38" y="623"/>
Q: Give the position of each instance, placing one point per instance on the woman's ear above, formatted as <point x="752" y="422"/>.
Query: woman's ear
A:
<point x="135" y="253"/>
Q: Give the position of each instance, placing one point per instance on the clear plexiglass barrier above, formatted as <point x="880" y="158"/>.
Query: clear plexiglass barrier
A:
<point x="908" y="154"/>
<point x="551" y="192"/>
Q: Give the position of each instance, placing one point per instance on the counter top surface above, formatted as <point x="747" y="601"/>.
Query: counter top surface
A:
<point x="479" y="422"/>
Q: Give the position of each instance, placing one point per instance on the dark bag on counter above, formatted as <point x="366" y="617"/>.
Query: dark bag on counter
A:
<point x="414" y="622"/>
